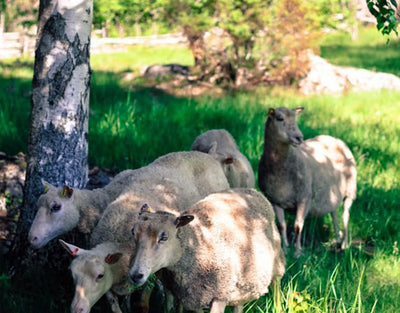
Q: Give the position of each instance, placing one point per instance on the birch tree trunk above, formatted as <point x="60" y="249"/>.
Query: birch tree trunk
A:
<point x="58" y="143"/>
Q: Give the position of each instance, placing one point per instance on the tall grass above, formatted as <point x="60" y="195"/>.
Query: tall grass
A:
<point x="132" y="125"/>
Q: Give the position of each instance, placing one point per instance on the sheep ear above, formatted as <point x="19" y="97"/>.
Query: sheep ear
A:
<point x="46" y="186"/>
<point x="73" y="250"/>
<point x="144" y="209"/>
<point x="213" y="148"/>
<point x="271" y="111"/>
<point x="298" y="110"/>
<point x="112" y="258"/>
<point x="67" y="192"/>
<point x="183" y="220"/>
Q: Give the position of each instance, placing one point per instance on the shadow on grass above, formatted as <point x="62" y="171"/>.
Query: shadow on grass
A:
<point x="130" y="127"/>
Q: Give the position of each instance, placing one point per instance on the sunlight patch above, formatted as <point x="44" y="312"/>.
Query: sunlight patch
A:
<point x="383" y="274"/>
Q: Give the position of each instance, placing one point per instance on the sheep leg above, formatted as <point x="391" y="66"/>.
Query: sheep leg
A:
<point x="302" y="210"/>
<point x="336" y="226"/>
<point x="218" y="306"/>
<point x="282" y="224"/>
<point x="113" y="301"/>
<point x="238" y="309"/>
<point x="346" y="215"/>
<point x="169" y="302"/>
<point x="179" y="307"/>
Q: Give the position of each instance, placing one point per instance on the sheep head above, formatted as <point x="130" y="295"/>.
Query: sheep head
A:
<point x="56" y="215"/>
<point x="157" y="245"/>
<point x="282" y="124"/>
<point x="91" y="271"/>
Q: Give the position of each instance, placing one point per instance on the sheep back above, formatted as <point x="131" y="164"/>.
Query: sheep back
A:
<point x="171" y="183"/>
<point x="222" y="146"/>
<point x="231" y="250"/>
<point x="331" y="164"/>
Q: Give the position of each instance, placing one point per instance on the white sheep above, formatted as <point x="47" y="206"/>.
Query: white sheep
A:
<point x="310" y="177"/>
<point x="228" y="254"/>
<point x="222" y="146"/>
<point x="61" y="209"/>
<point x="96" y="271"/>
<point x="172" y="182"/>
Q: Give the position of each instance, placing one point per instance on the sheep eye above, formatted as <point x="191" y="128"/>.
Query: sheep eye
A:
<point x="100" y="276"/>
<point x="279" y="118"/>
<point x="163" y="237"/>
<point x="55" y="207"/>
<point x="133" y="231"/>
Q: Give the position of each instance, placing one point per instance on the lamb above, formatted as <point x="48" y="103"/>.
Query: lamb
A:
<point x="222" y="146"/>
<point x="64" y="208"/>
<point x="228" y="255"/>
<point x="172" y="182"/>
<point x="310" y="177"/>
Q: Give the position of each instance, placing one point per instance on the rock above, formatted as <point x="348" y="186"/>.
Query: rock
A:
<point x="325" y="78"/>
<point x="160" y="70"/>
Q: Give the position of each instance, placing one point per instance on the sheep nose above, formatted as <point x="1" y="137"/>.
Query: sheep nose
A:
<point x="77" y="309"/>
<point x="299" y="139"/>
<point x="32" y="239"/>
<point x="136" y="277"/>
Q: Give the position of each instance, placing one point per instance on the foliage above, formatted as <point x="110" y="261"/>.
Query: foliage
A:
<point x="329" y="14"/>
<point x="385" y="14"/>
<point x="125" y="13"/>
<point x="19" y="13"/>
<point x="255" y="36"/>
<point x="290" y="35"/>
<point x="194" y="18"/>
<point x="242" y="20"/>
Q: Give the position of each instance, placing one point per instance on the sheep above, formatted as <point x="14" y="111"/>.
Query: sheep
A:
<point x="229" y="253"/>
<point x="222" y="146"/>
<point x="61" y="209"/>
<point x="172" y="182"/>
<point x="96" y="271"/>
<point x="310" y="177"/>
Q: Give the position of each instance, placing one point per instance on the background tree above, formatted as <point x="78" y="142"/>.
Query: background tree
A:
<point x="19" y="13"/>
<point x="250" y="37"/>
<point x="58" y="145"/>
<point x="194" y="18"/>
<point x="105" y="12"/>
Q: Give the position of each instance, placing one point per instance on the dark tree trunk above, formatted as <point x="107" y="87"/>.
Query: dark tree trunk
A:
<point x="58" y="143"/>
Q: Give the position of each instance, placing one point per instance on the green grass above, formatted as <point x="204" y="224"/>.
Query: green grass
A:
<point x="132" y="125"/>
<point x="137" y="56"/>
<point x="371" y="51"/>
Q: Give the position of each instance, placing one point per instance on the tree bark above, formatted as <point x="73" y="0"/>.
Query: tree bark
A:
<point x="58" y="143"/>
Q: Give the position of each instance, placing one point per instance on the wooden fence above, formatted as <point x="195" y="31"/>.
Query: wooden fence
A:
<point x="17" y="45"/>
